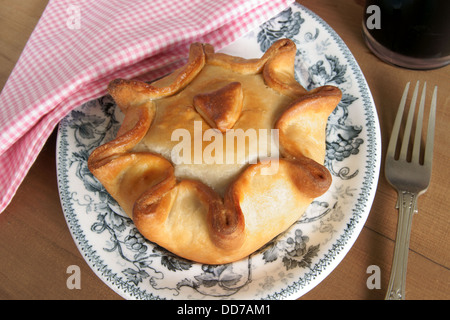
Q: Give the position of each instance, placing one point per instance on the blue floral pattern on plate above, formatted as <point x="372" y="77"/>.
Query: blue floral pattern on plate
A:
<point x="289" y="265"/>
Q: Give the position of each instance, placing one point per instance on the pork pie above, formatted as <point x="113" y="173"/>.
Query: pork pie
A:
<point x="191" y="164"/>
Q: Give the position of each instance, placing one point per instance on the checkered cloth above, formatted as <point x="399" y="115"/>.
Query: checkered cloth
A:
<point x="77" y="47"/>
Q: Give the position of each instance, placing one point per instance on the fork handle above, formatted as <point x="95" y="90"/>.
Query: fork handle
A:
<point x="407" y="205"/>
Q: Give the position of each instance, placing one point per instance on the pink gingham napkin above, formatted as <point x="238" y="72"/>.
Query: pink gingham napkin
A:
<point x="79" y="46"/>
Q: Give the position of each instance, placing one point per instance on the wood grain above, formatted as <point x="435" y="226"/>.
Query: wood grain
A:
<point x="36" y="246"/>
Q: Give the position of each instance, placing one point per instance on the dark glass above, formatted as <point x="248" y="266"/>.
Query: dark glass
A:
<point x="413" y="33"/>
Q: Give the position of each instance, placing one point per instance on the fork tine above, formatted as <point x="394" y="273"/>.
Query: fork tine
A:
<point x="418" y="134"/>
<point x="409" y="120"/>
<point x="428" y="158"/>
<point x="398" y="120"/>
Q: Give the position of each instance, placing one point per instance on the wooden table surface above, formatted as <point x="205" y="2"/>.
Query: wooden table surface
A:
<point x="36" y="247"/>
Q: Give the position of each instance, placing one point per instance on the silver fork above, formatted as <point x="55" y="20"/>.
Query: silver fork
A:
<point x="410" y="179"/>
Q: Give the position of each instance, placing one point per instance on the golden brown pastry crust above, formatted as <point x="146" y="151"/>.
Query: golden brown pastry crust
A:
<point x="221" y="108"/>
<point x="307" y="117"/>
<point x="222" y="218"/>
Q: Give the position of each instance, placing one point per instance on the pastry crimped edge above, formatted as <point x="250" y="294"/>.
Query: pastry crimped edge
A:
<point x="217" y="229"/>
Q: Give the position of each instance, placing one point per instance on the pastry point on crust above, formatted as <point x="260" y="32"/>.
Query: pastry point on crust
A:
<point x="179" y="206"/>
<point x="279" y="71"/>
<point x="221" y="108"/>
<point x="131" y="92"/>
<point x="302" y="126"/>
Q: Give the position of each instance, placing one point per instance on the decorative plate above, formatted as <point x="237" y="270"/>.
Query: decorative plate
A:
<point x="289" y="265"/>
